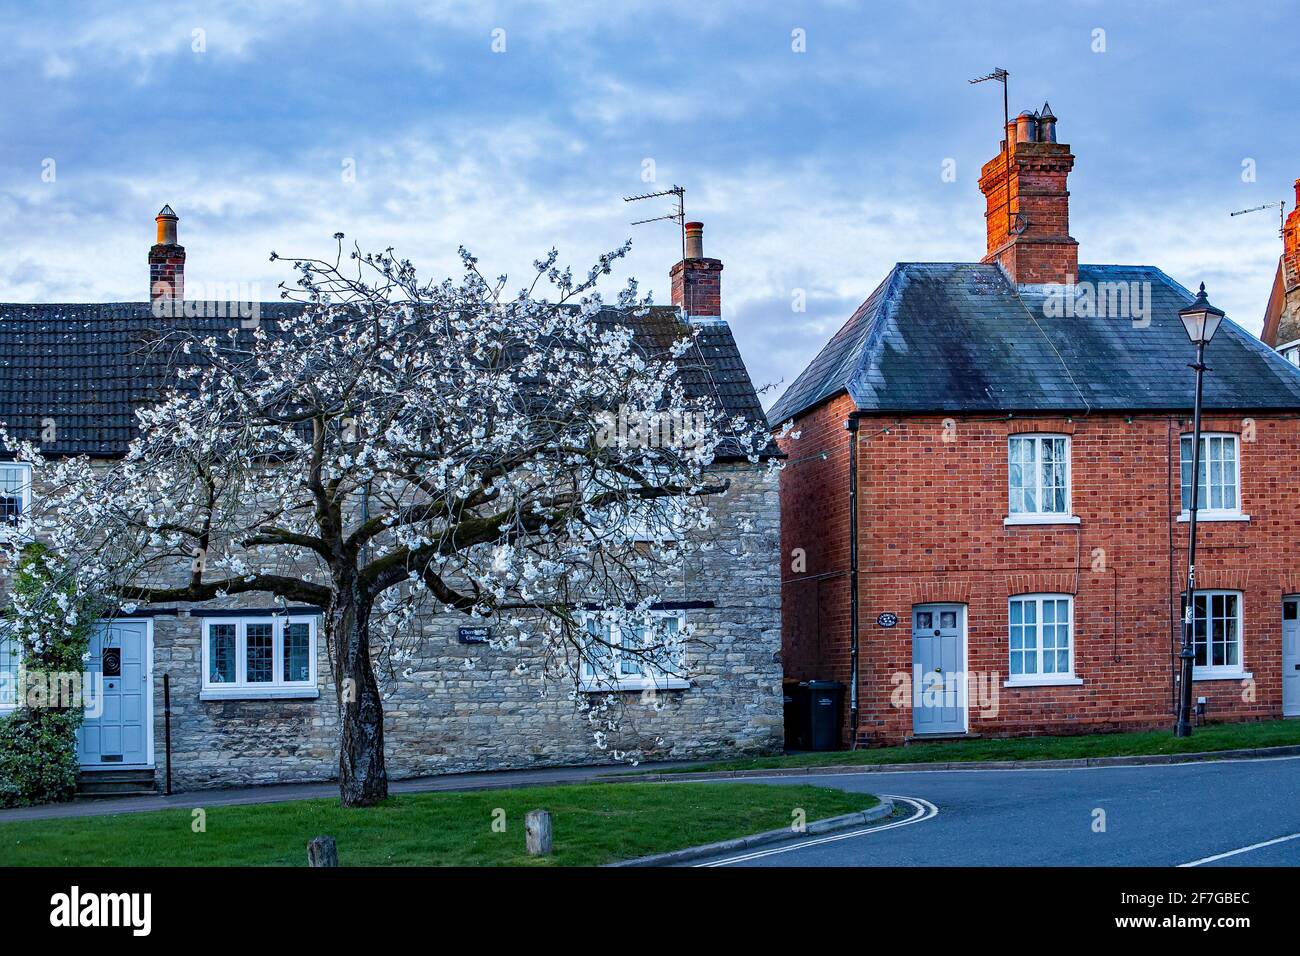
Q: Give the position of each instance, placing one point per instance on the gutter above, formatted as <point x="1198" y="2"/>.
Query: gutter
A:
<point x="851" y="425"/>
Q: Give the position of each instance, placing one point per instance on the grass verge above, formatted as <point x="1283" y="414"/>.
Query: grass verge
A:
<point x="594" y="824"/>
<point x="1214" y="737"/>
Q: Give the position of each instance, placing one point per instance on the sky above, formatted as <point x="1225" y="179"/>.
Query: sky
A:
<point x="812" y="140"/>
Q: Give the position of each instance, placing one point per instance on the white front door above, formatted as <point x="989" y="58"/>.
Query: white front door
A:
<point x="118" y="728"/>
<point x="1291" y="657"/>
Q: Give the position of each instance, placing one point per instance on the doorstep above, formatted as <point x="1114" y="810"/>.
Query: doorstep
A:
<point x="116" y="783"/>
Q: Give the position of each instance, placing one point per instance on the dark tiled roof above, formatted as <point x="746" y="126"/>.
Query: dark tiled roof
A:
<point x="712" y="369"/>
<point x="960" y="337"/>
<point x="87" y="368"/>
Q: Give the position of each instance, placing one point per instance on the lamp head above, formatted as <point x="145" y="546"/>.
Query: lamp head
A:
<point x="1200" y="319"/>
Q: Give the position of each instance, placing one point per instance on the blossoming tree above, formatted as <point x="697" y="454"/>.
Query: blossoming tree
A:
<point x="397" y="447"/>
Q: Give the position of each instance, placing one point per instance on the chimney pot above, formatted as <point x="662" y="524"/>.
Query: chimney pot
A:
<point x="1026" y="128"/>
<point x="695" y="240"/>
<point x="1046" y="124"/>
<point x="166" y="220"/>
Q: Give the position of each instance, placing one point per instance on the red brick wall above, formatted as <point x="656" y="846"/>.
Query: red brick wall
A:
<point x="931" y="529"/>
<point x="697" y="286"/>
<point x="167" y="272"/>
<point x="815" y="527"/>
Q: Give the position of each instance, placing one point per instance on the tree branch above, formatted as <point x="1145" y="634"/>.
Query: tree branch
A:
<point x="293" y="589"/>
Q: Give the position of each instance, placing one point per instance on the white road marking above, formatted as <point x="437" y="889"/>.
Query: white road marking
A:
<point x="925" y="810"/>
<point x="975" y="768"/>
<point x="1244" y="849"/>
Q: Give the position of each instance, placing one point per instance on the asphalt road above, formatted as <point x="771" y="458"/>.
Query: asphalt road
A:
<point x="1170" y="815"/>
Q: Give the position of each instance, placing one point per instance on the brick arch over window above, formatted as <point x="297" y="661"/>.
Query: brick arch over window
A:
<point x="1289" y="581"/>
<point x="1219" y="579"/>
<point x="1040" y="426"/>
<point x="1225" y="426"/>
<point x="941" y="592"/>
<point x="1042" y="582"/>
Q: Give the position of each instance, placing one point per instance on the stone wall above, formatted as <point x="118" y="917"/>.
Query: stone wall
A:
<point x="445" y="718"/>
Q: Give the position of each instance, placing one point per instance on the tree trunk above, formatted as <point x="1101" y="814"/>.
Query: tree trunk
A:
<point x="363" y="781"/>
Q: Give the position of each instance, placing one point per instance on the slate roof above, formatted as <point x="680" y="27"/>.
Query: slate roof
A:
<point x="87" y="367"/>
<point x="960" y="337"/>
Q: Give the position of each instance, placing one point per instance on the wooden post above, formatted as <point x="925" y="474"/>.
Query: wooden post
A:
<point x="537" y="833"/>
<point x="322" y="851"/>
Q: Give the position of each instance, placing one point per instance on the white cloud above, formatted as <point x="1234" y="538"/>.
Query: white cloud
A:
<point x="135" y="38"/>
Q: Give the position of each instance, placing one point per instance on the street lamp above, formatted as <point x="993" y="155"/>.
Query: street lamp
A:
<point x="1201" y="320"/>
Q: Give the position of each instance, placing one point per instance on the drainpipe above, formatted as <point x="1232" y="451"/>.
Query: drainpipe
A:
<point x="851" y="425"/>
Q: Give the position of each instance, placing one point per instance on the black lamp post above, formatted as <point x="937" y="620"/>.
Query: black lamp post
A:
<point x="1201" y="321"/>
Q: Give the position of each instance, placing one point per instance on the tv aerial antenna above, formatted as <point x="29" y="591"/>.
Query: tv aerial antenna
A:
<point x="1000" y="75"/>
<point x="1281" y="213"/>
<point x="678" y="215"/>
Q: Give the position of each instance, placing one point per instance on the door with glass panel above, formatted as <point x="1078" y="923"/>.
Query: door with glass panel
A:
<point x="1291" y="657"/>
<point x="116" y="730"/>
<point x="938" y="669"/>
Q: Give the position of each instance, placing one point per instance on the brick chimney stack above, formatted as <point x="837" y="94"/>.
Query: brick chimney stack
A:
<point x="1291" y="240"/>
<point x="697" y="281"/>
<point x="1034" y="245"/>
<point x="1282" y="317"/>
<point x="167" y="260"/>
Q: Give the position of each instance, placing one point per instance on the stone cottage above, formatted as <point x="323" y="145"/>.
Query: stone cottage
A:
<point x="248" y="678"/>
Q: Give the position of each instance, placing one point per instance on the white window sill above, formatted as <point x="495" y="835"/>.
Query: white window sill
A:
<point x="1202" y="516"/>
<point x="1221" y="675"/>
<point x="637" y="684"/>
<point x="1044" y="682"/>
<point x="1013" y="520"/>
<point x="259" y="693"/>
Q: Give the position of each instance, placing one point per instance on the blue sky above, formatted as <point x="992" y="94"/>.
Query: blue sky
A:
<point x="812" y="171"/>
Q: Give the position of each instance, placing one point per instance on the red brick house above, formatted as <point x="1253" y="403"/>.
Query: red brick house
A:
<point x="983" y="506"/>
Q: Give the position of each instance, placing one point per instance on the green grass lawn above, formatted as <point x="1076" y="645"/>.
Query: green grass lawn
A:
<point x="1214" y="737"/>
<point x="593" y="824"/>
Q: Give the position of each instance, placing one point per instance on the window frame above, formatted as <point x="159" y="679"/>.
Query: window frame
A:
<point x="1040" y="679"/>
<point x="7" y="636"/>
<point x="1204" y="513"/>
<point x="1210" y="671"/>
<point x="241" y="688"/>
<point x="1039" y="516"/>
<point x="25" y="493"/>
<point x="651" y="677"/>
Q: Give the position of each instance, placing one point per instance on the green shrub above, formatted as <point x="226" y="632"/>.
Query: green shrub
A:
<point x="38" y="745"/>
<point x="38" y="756"/>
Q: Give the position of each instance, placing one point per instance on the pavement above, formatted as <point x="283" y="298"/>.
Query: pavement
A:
<point x="1211" y="813"/>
